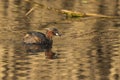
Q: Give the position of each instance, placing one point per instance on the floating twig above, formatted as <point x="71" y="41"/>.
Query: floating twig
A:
<point x="33" y="8"/>
<point x="81" y="14"/>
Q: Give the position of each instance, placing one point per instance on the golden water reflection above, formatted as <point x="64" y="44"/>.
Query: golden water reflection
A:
<point x="87" y="50"/>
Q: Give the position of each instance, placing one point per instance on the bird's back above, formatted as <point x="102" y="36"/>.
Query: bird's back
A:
<point x="34" y="38"/>
<point x="37" y="38"/>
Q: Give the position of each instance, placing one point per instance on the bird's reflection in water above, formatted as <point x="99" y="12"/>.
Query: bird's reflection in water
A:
<point x="35" y="48"/>
<point x="40" y="42"/>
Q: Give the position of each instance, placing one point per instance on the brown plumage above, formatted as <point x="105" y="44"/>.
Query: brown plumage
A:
<point x="41" y="38"/>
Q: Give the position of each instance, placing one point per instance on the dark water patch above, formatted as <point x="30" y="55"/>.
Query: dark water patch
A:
<point x="81" y="70"/>
<point x="117" y="8"/>
<point x="117" y="24"/>
<point x="82" y="77"/>
<point x="46" y="77"/>
<point x="83" y="67"/>
<point x="5" y="72"/>
<point x="22" y="74"/>
<point x="20" y="63"/>
<point x="116" y="76"/>
<point x="5" y="6"/>
<point x="28" y="6"/>
<point x="22" y="68"/>
<point x="117" y="11"/>
<point x="20" y="9"/>
<point x="7" y="63"/>
<point x="102" y="7"/>
<point x="17" y="2"/>
<point x="68" y="4"/>
<point x="105" y="46"/>
<point x="46" y="24"/>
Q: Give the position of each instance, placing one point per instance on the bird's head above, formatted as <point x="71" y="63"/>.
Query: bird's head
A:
<point x="53" y="31"/>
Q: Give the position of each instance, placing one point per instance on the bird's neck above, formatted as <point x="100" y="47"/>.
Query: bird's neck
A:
<point x="49" y="35"/>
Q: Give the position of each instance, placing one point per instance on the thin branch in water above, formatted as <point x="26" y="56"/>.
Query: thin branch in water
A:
<point x="75" y="14"/>
<point x="33" y="8"/>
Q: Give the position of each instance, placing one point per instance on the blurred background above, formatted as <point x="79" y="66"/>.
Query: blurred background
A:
<point x="89" y="48"/>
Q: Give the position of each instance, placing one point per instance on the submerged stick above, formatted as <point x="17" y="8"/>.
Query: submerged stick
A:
<point x="73" y="13"/>
<point x="35" y="5"/>
<point x="81" y="14"/>
<point x="30" y="11"/>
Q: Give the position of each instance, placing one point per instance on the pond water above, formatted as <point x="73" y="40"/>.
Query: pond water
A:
<point x="89" y="48"/>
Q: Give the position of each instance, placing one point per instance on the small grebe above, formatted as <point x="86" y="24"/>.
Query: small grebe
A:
<point x="41" y="38"/>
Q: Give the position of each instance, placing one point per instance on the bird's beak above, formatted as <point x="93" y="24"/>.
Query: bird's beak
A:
<point x="58" y="34"/>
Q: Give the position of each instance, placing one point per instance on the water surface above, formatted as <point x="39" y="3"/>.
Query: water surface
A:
<point x="89" y="48"/>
